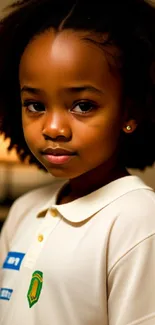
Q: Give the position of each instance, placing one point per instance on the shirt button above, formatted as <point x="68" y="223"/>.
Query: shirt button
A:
<point x="40" y="238"/>
<point x="54" y="212"/>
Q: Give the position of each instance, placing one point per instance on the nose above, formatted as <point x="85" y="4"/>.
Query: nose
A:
<point x="56" y="127"/>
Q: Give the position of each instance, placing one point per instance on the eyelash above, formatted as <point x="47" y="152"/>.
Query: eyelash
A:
<point x="28" y="103"/>
<point x="91" y="104"/>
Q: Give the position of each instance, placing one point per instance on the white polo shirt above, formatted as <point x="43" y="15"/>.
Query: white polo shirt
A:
<point x="87" y="262"/>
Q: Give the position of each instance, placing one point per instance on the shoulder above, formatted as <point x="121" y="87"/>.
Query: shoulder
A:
<point x="137" y="206"/>
<point x="38" y="196"/>
<point x="32" y="200"/>
<point x="137" y="203"/>
<point x="134" y="223"/>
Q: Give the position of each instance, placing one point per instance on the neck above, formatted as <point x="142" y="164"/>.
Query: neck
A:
<point x="90" y="182"/>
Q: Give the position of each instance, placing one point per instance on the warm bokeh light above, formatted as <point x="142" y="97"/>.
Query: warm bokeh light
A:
<point x="5" y="155"/>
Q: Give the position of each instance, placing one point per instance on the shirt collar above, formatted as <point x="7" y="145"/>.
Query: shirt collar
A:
<point x="85" y="207"/>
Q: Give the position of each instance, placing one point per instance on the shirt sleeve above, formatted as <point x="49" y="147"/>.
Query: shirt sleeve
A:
<point x="8" y="230"/>
<point x="131" y="286"/>
<point x="3" y="244"/>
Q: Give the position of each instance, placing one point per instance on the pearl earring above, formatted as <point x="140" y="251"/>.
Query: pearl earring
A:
<point x="128" y="128"/>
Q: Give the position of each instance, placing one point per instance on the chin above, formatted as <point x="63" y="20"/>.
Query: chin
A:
<point x="62" y="173"/>
<point x="59" y="173"/>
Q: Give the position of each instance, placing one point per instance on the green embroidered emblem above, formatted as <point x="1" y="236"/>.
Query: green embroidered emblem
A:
<point x="35" y="288"/>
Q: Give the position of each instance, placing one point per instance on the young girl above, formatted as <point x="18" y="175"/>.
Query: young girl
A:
<point x="77" y="98"/>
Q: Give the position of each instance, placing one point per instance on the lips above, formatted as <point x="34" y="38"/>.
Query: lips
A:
<point x="58" y="156"/>
<point x="58" y="152"/>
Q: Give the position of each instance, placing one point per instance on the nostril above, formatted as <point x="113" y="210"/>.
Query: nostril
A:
<point x="46" y="137"/>
<point x="60" y="138"/>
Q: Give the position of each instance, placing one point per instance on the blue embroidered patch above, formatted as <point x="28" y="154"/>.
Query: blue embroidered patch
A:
<point x="13" y="261"/>
<point x="5" y="294"/>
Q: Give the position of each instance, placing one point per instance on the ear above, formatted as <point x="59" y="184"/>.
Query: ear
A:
<point x="129" y="126"/>
<point x="130" y="121"/>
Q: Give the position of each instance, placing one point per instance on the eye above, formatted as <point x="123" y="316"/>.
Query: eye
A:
<point x="83" y="107"/>
<point x="34" y="107"/>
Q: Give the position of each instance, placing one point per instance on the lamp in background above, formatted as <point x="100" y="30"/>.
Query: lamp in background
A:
<point x="9" y="157"/>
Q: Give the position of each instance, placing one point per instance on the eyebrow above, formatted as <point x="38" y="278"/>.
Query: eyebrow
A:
<point x="78" y="89"/>
<point x="31" y="90"/>
<point x="85" y="88"/>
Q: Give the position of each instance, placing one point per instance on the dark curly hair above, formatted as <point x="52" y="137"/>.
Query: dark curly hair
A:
<point x="129" y="24"/>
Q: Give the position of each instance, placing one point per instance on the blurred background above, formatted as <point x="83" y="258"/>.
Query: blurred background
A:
<point x="17" y="179"/>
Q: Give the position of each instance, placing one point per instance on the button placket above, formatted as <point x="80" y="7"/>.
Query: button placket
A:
<point x="40" y="238"/>
<point x="45" y="229"/>
<point x="54" y="212"/>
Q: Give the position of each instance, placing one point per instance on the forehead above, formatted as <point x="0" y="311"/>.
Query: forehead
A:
<point x="66" y="54"/>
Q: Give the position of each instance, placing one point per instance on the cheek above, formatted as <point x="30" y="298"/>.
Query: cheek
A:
<point x="25" y="124"/>
<point x="102" y="135"/>
<point x="31" y="133"/>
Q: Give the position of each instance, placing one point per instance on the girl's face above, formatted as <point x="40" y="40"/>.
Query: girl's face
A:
<point x="71" y="103"/>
